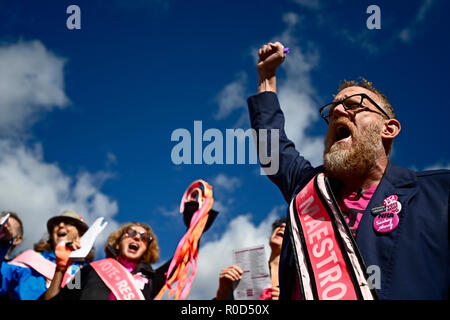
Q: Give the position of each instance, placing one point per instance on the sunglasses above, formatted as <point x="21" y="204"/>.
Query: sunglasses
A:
<point x="143" y="235"/>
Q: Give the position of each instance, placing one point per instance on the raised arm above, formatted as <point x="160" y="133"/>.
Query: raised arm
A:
<point x="270" y="57"/>
<point x="265" y="113"/>
<point x="62" y="253"/>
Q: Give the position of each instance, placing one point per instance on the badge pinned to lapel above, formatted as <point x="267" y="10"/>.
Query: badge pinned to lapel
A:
<point x="386" y="215"/>
<point x="392" y="204"/>
<point x="385" y="222"/>
<point x="377" y="210"/>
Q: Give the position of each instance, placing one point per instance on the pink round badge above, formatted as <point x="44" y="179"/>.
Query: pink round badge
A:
<point x="385" y="222"/>
<point x="392" y="204"/>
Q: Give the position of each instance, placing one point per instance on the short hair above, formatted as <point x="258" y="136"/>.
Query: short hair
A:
<point x="152" y="253"/>
<point x="14" y="215"/>
<point x="386" y="105"/>
<point x="363" y="83"/>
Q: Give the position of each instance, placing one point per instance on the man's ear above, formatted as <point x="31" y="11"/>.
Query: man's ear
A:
<point x="391" y="129"/>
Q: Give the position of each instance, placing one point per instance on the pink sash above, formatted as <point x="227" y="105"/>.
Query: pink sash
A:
<point x="117" y="279"/>
<point x="328" y="262"/>
<point x="32" y="259"/>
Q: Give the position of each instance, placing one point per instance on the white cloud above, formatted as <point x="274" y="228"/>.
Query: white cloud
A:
<point x="438" y="166"/>
<point x="173" y="211"/>
<point x="37" y="190"/>
<point x="232" y="97"/>
<point x="295" y="91"/>
<point x="111" y="159"/>
<point x="424" y="10"/>
<point x="31" y="82"/>
<point x="224" y="182"/>
<point x="410" y="32"/>
<point x="297" y="95"/>
<point x="223" y="188"/>
<point x="216" y="255"/>
<point x="364" y="38"/>
<point x="406" y="35"/>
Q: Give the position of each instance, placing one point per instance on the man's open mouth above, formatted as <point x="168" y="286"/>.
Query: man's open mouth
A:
<point x="342" y="133"/>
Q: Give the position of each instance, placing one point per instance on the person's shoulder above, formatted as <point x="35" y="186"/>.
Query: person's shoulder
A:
<point x="440" y="175"/>
<point x="401" y="176"/>
<point x="438" y="180"/>
<point x="409" y="172"/>
<point x="444" y="173"/>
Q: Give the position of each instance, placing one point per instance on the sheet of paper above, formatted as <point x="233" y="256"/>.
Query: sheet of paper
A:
<point x="256" y="275"/>
<point x="3" y="221"/>
<point x="88" y="239"/>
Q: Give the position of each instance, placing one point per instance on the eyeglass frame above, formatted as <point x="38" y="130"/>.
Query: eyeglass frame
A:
<point x="134" y="232"/>
<point x="363" y="96"/>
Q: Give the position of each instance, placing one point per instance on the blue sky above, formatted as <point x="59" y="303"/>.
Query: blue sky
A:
<point x="88" y="114"/>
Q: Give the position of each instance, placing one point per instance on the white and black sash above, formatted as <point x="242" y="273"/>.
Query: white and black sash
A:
<point x="328" y="263"/>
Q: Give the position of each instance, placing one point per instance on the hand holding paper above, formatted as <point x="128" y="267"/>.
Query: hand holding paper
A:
<point x="88" y="239"/>
<point x="255" y="277"/>
<point x="62" y="253"/>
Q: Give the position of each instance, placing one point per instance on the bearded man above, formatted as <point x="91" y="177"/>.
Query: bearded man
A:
<point x="358" y="227"/>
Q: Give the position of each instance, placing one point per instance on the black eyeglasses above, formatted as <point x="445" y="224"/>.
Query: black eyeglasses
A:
<point x="352" y="102"/>
<point x="142" y="234"/>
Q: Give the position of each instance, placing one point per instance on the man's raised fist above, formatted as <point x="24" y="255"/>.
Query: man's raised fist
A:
<point x="271" y="55"/>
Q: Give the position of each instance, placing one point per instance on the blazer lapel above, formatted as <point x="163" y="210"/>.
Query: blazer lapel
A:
<point x="379" y="249"/>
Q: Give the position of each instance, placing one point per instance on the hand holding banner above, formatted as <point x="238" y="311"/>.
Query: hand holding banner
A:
<point x="186" y="254"/>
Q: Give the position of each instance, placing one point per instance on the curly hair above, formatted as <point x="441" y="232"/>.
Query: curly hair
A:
<point x="151" y="255"/>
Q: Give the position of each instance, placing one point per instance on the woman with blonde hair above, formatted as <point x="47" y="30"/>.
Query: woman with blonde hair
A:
<point x="126" y="272"/>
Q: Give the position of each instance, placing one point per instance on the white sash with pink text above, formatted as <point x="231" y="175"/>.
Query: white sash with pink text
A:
<point x="118" y="279"/>
<point x="329" y="265"/>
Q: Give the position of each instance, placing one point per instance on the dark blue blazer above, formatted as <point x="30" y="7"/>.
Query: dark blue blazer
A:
<point x="414" y="257"/>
